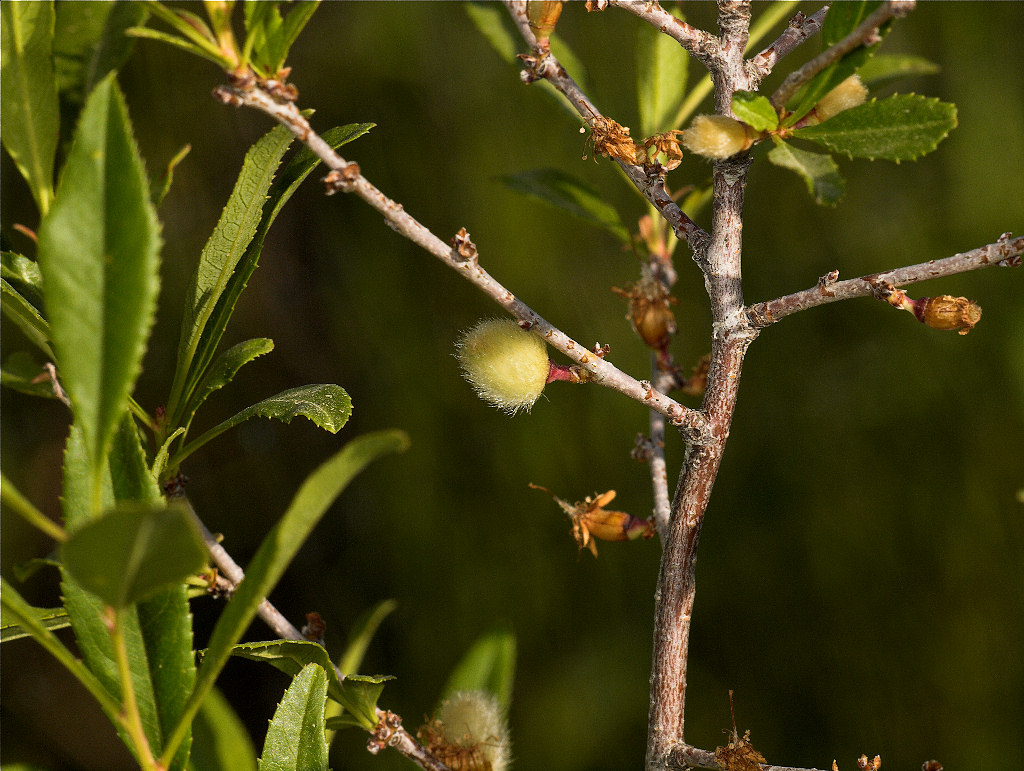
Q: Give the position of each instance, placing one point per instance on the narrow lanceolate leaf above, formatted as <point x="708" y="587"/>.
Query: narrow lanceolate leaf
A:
<point x="28" y="94"/>
<point x="98" y="252"/>
<point x="661" y="72"/>
<point x="224" y="369"/>
<point x="818" y="170"/>
<point x="209" y="335"/>
<point x="24" y="314"/>
<point x="755" y="110"/>
<point x="132" y="552"/>
<point x="225" y="247"/>
<point x="48" y="618"/>
<point x="883" y="69"/>
<point x="89" y="42"/>
<point x="900" y="128"/>
<point x="565" y="192"/>
<point x="295" y="739"/>
<point x="326" y="404"/>
<point x="220" y="741"/>
<point x="271" y="36"/>
<point x="489" y="665"/>
<point x="22" y="271"/>
<point x="278" y="548"/>
<point x="360" y="635"/>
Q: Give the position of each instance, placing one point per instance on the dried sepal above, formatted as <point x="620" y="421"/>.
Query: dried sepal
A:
<point x="649" y="311"/>
<point x="943" y="312"/>
<point x="610" y="139"/>
<point x="739" y="754"/>
<point x="591" y="521"/>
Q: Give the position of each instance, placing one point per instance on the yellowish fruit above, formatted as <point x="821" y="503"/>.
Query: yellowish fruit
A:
<point x="507" y="366"/>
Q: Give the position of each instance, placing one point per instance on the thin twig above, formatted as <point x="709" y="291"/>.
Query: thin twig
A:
<point x="687" y="757"/>
<point x="543" y="64"/>
<point x="866" y="30"/>
<point x="1005" y="251"/>
<point x="800" y="28"/>
<point x="345" y="176"/>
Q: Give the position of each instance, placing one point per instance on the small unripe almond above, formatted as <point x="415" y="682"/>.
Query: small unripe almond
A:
<point x="507" y="366"/>
<point x="717" y="136"/>
<point x="469" y="733"/>
<point x="850" y="93"/>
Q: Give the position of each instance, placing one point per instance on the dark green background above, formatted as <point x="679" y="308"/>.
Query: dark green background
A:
<point x="859" y="583"/>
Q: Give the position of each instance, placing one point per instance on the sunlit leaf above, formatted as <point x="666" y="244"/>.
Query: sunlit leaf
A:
<point x="50" y="618"/>
<point x="900" y="128"/>
<point x="28" y="94"/>
<point x="489" y="665"/>
<point x="295" y="739"/>
<point x="883" y="69"/>
<point x="755" y="110"/>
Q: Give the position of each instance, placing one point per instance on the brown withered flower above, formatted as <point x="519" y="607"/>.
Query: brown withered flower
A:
<point x="590" y="520"/>
<point x="610" y="139"/>
<point x="649" y="311"/>
<point x="947" y="312"/>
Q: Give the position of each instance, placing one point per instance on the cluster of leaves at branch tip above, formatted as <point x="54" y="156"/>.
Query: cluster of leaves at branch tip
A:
<point x="507" y="366"/>
<point x="469" y="733"/>
<point x="591" y="520"/>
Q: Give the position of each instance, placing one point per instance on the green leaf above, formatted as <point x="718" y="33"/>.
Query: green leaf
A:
<point x="489" y="665"/>
<point x="224" y="369"/>
<point x="358" y="694"/>
<point x="160" y="186"/>
<point x="661" y="73"/>
<point x="220" y="741"/>
<point x="295" y="740"/>
<point x="819" y="171"/>
<point x="99" y="254"/>
<point x="841" y="20"/>
<point x="17" y="611"/>
<point x="273" y="36"/>
<point x="25" y="316"/>
<point x="22" y="373"/>
<point x="50" y="618"/>
<point x="90" y="42"/>
<point x="278" y="548"/>
<point x="133" y="551"/>
<point x="566" y="192"/>
<point x="225" y="247"/>
<point x="129" y="473"/>
<point x="362" y="632"/>
<point x="902" y="127"/>
<point x="208" y="337"/>
<point x="755" y="110"/>
<point x="28" y="94"/>
<point x="196" y="36"/>
<point x="21" y="270"/>
<point x="326" y="404"/>
<point x="883" y="69"/>
<point x="13" y="500"/>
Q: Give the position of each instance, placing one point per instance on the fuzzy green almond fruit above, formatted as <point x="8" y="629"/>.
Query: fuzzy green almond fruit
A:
<point x="507" y="366"/>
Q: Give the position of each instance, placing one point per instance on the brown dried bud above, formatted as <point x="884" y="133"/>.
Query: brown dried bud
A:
<point x="946" y="312"/>
<point x="591" y="520"/>
<point x="543" y="16"/>
<point x="649" y="311"/>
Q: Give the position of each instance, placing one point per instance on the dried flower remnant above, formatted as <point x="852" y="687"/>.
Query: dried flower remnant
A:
<point x="469" y="733"/>
<point x="943" y="312"/>
<point x="590" y="521"/>
<point x="610" y="139"/>
<point x="650" y="312"/>
<point x="739" y="754"/>
<point x="667" y="144"/>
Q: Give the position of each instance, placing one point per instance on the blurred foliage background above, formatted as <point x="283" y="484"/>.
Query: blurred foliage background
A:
<point x="859" y="583"/>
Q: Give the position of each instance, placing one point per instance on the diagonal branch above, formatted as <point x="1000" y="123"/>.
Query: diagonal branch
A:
<point x="463" y="259"/>
<point x="543" y="64"/>
<point x="1006" y="251"/>
<point x="864" y="32"/>
<point x="800" y="28"/>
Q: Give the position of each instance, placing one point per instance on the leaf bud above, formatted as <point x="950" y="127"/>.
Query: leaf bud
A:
<point x="507" y="366"/>
<point x="947" y="312"/>
<point x="850" y="93"/>
<point x="717" y="136"/>
<point x="469" y="732"/>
